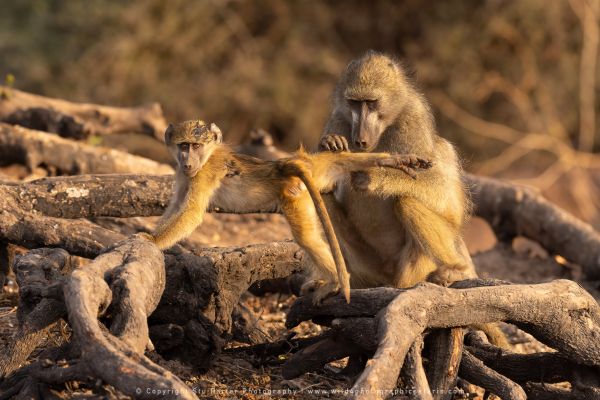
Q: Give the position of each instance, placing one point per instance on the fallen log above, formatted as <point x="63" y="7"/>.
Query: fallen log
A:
<point x="503" y="205"/>
<point x="514" y="210"/>
<point x="89" y="196"/>
<point x="78" y="120"/>
<point x="66" y="157"/>
<point x="27" y="227"/>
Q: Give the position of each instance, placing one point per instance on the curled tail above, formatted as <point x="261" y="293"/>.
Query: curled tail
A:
<point x="297" y="168"/>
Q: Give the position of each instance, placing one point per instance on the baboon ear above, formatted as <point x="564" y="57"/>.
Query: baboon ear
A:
<point x="169" y="133"/>
<point x="218" y="135"/>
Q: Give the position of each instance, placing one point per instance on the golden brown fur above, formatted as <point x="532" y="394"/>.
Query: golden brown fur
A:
<point x="414" y="227"/>
<point x="210" y="172"/>
<point x="393" y="230"/>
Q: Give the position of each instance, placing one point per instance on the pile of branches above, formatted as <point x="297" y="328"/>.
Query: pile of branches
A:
<point x="129" y="297"/>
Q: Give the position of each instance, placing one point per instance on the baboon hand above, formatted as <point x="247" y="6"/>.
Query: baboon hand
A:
<point x="334" y="143"/>
<point x="408" y="163"/>
<point x="232" y="169"/>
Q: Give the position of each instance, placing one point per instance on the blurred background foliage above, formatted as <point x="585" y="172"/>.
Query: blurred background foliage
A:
<point x="512" y="83"/>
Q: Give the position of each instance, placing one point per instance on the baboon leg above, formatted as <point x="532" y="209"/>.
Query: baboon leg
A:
<point x="413" y="266"/>
<point x="364" y="264"/>
<point x="299" y="210"/>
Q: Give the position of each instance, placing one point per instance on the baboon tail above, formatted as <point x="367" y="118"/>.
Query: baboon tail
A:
<point x="299" y="169"/>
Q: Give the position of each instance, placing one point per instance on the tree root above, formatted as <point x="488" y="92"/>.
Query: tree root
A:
<point x="122" y="289"/>
<point x="560" y="314"/>
<point x="122" y="286"/>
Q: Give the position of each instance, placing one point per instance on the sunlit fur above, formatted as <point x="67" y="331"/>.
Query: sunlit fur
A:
<point x="242" y="183"/>
<point x="414" y="227"/>
<point x="399" y="231"/>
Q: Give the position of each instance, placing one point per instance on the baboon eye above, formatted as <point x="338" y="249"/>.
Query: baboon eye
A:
<point x="372" y="104"/>
<point x="196" y="146"/>
<point x="354" y="102"/>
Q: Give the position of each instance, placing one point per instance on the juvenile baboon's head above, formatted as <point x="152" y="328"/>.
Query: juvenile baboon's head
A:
<point x="371" y="94"/>
<point x="192" y="143"/>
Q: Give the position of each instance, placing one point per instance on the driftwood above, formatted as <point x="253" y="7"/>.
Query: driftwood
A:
<point x="78" y="120"/>
<point x="62" y="156"/>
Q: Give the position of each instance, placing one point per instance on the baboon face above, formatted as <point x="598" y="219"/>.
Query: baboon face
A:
<point x="367" y="123"/>
<point x="192" y="143"/>
<point x="371" y="91"/>
<point x="191" y="157"/>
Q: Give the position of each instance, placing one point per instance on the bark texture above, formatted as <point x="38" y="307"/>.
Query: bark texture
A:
<point x="78" y="120"/>
<point x="511" y="210"/>
<point x="66" y="157"/>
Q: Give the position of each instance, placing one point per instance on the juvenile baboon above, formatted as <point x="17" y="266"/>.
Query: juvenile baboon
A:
<point x="210" y="172"/>
<point x="393" y="230"/>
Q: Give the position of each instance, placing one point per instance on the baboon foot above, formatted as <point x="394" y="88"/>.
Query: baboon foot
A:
<point x="320" y="290"/>
<point x="408" y="163"/>
<point x="446" y="275"/>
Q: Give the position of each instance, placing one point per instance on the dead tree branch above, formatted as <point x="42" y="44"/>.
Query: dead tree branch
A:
<point x="34" y="148"/>
<point x="548" y="367"/>
<point x="515" y="210"/>
<point x="78" y="120"/>
<point x="475" y="371"/>
<point x="413" y="373"/>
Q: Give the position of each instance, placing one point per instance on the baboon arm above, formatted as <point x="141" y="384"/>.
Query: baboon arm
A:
<point x="180" y="189"/>
<point x="328" y="168"/>
<point x="188" y="216"/>
<point x="425" y="186"/>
